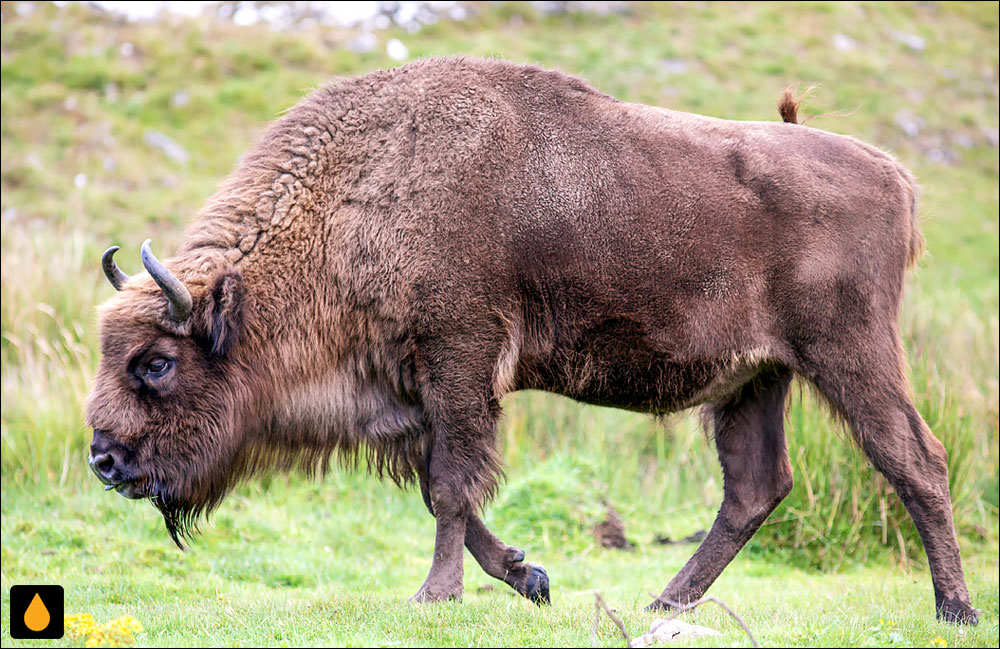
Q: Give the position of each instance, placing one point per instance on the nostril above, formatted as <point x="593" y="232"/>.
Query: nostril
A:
<point x="103" y="464"/>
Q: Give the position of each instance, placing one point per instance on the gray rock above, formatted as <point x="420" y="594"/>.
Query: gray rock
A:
<point x="843" y="43"/>
<point x="962" y="140"/>
<point x="912" y="41"/>
<point x="942" y="155"/>
<point x="170" y="147"/>
<point x="363" y="44"/>
<point x="992" y="136"/>
<point x="675" y="66"/>
<point x="396" y="50"/>
<point x="909" y="122"/>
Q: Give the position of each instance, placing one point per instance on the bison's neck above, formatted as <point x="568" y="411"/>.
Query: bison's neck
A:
<point x="362" y="405"/>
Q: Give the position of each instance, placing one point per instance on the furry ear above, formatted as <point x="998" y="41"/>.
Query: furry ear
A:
<point x="224" y="312"/>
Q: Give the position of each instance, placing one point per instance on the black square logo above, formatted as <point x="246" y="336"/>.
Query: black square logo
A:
<point x="36" y="612"/>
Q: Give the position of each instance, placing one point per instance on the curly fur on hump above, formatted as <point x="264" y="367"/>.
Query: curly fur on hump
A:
<point x="403" y="248"/>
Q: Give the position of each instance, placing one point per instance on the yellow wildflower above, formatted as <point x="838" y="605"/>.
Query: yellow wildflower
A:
<point x="119" y="632"/>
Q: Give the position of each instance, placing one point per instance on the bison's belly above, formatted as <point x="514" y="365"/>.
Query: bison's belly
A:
<point x="635" y="378"/>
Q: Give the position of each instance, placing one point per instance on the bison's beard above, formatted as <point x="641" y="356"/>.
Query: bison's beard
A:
<point x="181" y="521"/>
<point x="183" y="504"/>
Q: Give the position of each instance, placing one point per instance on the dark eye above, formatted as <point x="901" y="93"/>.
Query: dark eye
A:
<point x="158" y="366"/>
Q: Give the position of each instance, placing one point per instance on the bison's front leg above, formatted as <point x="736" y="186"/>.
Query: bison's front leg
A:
<point x="461" y="466"/>
<point x="445" y="578"/>
<point x="496" y="558"/>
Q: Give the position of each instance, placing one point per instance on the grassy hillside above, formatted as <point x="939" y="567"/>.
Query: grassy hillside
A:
<point x="113" y="132"/>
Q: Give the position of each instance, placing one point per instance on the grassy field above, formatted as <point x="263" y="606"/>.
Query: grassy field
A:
<point x="85" y="99"/>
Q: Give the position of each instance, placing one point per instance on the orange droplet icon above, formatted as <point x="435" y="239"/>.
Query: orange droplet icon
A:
<point x="36" y="617"/>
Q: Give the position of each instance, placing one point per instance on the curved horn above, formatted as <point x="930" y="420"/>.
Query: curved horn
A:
<point x="111" y="269"/>
<point x="177" y="294"/>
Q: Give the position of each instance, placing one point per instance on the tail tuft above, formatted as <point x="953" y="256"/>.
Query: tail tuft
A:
<point x="789" y="101"/>
<point x="788" y="106"/>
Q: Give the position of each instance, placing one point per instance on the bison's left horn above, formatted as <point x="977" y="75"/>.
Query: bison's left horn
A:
<point x="177" y="294"/>
<point x="111" y="269"/>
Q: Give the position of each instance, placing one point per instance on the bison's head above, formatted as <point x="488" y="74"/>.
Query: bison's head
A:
<point x="170" y="405"/>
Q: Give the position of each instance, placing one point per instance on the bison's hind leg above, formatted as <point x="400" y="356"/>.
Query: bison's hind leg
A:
<point x="866" y="385"/>
<point x="750" y="438"/>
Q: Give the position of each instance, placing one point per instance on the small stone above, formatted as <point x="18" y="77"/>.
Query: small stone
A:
<point x="674" y="66"/>
<point x="180" y="99"/>
<point x="396" y="50"/>
<point x="962" y="140"/>
<point x="843" y="43"/>
<point x="168" y="145"/>
<point x="909" y="123"/>
<point x="912" y="41"/>
<point x="80" y="180"/>
<point x="363" y="44"/>
<point x="992" y="136"/>
<point x="942" y="155"/>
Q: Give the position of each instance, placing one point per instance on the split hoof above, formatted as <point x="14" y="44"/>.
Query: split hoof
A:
<point x="537" y="589"/>
<point x="956" y="612"/>
<point x="660" y="605"/>
<point x="532" y="583"/>
<point x="427" y="595"/>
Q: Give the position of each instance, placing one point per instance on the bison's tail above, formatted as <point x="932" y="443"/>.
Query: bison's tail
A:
<point x="789" y="101"/>
<point x="788" y="106"/>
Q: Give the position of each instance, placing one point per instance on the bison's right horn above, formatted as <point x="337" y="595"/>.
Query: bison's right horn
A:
<point x="177" y="294"/>
<point x="111" y="269"/>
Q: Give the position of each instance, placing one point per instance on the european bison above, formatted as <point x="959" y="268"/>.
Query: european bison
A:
<point x="403" y="249"/>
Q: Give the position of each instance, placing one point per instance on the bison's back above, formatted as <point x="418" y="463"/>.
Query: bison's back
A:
<point x="481" y="194"/>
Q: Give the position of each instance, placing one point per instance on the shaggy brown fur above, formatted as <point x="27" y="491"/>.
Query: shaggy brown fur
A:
<point x="402" y="249"/>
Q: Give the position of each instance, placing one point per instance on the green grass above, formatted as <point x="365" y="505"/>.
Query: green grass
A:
<point x="300" y="562"/>
<point x="333" y="563"/>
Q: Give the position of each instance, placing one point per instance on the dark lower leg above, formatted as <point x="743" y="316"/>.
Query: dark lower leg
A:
<point x="757" y="475"/>
<point x="916" y="464"/>
<point x="505" y="562"/>
<point x="496" y="558"/>
<point x="444" y="581"/>
<point x="873" y="397"/>
<point x="451" y="510"/>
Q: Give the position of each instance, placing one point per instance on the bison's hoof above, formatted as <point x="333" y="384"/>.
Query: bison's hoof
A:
<point x="666" y="604"/>
<point x="956" y="612"/>
<point x="428" y="594"/>
<point x="538" y="586"/>
<point x="534" y="585"/>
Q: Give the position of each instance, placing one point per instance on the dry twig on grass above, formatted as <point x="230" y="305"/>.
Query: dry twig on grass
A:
<point x="598" y="605"/>
<point x="679" y="608"/>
